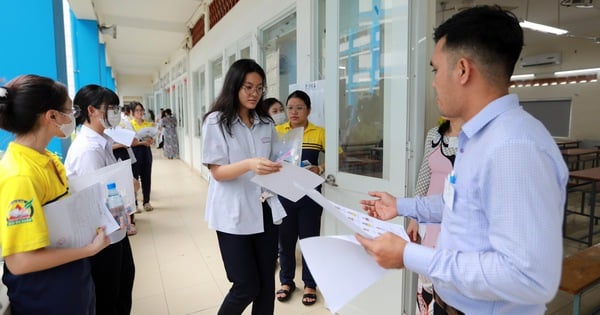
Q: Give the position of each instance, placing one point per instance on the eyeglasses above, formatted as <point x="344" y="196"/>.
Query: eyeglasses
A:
<point x="75" y="110"/>
<point x="114" y="108"/>
<point x="260" y="90"/>
<point x="296" y="108"/>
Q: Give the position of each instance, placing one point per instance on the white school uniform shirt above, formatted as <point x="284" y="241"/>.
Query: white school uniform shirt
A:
<point x="234" y="206"/>
<point x="89" y="152"/>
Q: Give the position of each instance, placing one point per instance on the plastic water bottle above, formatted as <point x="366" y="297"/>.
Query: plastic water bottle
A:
<point x="115" y="204"/>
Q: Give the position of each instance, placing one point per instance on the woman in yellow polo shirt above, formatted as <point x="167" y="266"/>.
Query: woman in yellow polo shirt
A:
<point x="40" y="280"/>
<point x="142" y="170"/>
<point x="304" y="216"/>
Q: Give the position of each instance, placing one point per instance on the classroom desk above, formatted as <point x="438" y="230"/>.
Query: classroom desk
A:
<point x="586" y="176"/>
<point x="567" y="144"/>
<point x="573" y="157"/>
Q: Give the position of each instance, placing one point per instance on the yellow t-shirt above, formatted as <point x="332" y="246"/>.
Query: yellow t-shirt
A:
<point x="144" y="124"/>
<point x="28" y="181"/>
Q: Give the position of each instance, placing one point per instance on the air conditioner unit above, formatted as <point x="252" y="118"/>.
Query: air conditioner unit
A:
<point x="540" y="60"/>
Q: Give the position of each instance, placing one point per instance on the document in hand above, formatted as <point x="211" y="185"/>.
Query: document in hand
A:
<point x="291" y="181"/>
<point x="121" y="135"/>
<point x="72" y="221"/>
<point x="332" y="259"/>
<point x="146" y="132"/>
<point x="120" y="174"/>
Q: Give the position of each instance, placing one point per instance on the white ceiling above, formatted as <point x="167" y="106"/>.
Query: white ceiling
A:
<point x="150" y="31"/>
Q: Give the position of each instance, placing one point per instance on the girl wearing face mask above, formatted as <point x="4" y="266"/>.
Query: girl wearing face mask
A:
<point x="40" y="280"/>
<point x="113" y="268"/>
<point x="275" y="109"/>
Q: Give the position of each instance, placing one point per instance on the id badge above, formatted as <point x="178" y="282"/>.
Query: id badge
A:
<point x="448" y="195"/>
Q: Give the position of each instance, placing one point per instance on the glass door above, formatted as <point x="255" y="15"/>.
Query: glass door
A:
<point x="367" y="77"/>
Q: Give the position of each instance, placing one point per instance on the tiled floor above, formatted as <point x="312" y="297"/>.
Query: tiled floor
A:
<point x="179" y="269"/>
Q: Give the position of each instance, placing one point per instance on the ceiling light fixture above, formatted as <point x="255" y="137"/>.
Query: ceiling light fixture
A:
<point x="543" y="28"/>
<point x="518" y="77"/>
<point x="576" y="72"/>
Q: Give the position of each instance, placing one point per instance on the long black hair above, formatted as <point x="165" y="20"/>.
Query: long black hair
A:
<point x="228" y="102"/>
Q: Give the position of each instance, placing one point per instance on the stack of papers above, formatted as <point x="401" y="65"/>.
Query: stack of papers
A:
<point x="332" y="259"/>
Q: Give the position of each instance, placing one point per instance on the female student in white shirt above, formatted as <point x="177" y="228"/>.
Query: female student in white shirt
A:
<point x="237" y="134"/>
<point x="113" y="268"/>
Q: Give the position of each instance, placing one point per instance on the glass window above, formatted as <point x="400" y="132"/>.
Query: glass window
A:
<point x="365" y="64"/>
<point x="280" y="56"/>
<point x="199" y="100"/>
<point x="217" y="77"/>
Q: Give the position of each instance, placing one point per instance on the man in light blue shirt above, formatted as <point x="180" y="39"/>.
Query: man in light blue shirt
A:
<point x="500" y="247"/>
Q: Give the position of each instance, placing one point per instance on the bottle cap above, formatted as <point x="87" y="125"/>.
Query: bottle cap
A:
<point x="111" y="185"/>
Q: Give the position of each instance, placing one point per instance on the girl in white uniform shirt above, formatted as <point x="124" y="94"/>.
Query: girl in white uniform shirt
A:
<point x="237" y="134"/>
<point x="113" y="268"/>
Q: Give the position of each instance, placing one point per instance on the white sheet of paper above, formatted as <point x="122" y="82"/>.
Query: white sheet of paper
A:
<point x="121" y="135"/>
<point x="286" y="182"/>
<point x="72" y="221"/>
<point x="119" y="173"/>
<point x="358" y="222"/>
<point x="146" y="132"/>
<point x="341" y="267"/>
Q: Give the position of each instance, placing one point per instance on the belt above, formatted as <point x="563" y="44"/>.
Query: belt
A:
<point x="449" y="309"/>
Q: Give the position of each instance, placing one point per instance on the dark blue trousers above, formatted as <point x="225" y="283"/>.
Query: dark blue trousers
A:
<point x="303" y="220"/>
<point x="249" y="262"/>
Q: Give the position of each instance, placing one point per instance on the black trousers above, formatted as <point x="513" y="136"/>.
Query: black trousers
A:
<point x="303" y="220"/>
<point x="250" y="265"/>
<point x="142" y="169"/>
<point x="113" y="271"/>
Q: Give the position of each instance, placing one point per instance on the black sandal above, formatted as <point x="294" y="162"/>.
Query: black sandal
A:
<point x="288" y="293"/>
<point x="311" y="296"/>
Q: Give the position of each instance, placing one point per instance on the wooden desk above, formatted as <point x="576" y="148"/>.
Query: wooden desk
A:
<point x="580" y="273"/>
<point x="567" y="144"/>
<point x="573" y="157"/>
<point x="586" y="176"/>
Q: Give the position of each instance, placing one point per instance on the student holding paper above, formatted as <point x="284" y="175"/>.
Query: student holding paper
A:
<point x="142" y="170"/>
<point x="40" y="280"/>
<point x="499" y="250"/>
<point x="113" y="268"/>
<point x="237" y="134"/>
<point x="304" y="216"/>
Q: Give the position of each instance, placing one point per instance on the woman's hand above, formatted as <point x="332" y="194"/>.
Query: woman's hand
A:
<point x="263" y="166"/>
<point x="413" y="230"/>
<point x="100" y="241"/>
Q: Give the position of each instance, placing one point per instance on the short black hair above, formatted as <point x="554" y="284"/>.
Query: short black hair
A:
<point x="301" y="95"/>
<point x="490" y="34"/>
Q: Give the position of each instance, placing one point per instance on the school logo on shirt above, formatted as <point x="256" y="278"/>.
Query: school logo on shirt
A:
<point x="21" y="212"/>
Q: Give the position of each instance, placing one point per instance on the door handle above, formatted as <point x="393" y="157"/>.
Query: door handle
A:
<point x="330" y="179"/>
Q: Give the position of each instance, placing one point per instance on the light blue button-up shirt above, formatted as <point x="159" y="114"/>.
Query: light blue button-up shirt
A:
<point x="500" y="247"/>
<point x="234" y="206"/>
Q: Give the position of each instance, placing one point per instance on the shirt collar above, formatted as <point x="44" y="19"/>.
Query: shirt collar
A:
<point x="93" y="135"/>
<point x="489" y="113"/>
<point x="35" y="156"/>
<point x="288" y="126"/>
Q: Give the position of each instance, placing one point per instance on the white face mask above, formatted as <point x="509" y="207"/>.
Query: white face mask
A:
<point x="112" y="120"/>
<point x="68" y="128"/>
<point x="279" y="118"/>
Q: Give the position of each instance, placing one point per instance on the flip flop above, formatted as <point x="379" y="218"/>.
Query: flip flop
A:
<point x="311" y="296"/>
<point x="288" y="293"/>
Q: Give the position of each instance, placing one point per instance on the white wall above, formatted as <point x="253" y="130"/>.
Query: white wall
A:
<point x="132" y="86"/>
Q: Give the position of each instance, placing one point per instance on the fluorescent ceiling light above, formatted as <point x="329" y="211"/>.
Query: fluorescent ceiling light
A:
<point x="543" y="28"/>
<point x="522" y="76"/>
<point x="577" y="72"/>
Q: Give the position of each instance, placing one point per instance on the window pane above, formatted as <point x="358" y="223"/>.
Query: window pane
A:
<point x="362" y="53"/>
